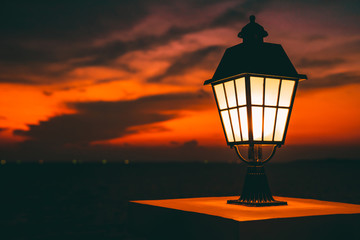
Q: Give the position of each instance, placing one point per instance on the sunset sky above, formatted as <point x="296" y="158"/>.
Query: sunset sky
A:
<point x="124" y="79"/>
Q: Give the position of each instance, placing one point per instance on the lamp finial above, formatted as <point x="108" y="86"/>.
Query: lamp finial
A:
<point x="253" y="32"/>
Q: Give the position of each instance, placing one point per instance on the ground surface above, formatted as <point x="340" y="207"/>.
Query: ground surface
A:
<point x="88" y="201"/>
<point x="217" y="206"/>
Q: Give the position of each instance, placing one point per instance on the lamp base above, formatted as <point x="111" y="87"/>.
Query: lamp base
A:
<point x="256" y="191"/>
<point x="256" y="204"/>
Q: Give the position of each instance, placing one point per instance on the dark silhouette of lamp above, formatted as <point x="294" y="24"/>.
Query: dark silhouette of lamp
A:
<point x="254" y="87"/>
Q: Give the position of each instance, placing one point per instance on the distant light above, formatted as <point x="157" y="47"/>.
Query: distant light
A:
<point x="18" y="161"/>
<point x="41" y="161"/>
<point x="3" y="162"/>
<point x="74" y="161"/>
<point x="206" y="161"/>
<point x="104" y="161"/>
<point x="126" y="161"/>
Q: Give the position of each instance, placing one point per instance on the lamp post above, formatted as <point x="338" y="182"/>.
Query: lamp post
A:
<point x="254" y="87"/>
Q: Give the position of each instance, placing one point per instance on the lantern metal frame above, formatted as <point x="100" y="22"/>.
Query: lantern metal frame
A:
<point x="249" y="105"/>
<point x="254" y="58"/>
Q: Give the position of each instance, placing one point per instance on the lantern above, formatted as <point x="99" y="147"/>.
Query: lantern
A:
<point x="254" y="88"/>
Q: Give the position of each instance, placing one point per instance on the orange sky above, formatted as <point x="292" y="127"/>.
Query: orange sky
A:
<point x="171" y="50"/>
<point x="321" y="116"/>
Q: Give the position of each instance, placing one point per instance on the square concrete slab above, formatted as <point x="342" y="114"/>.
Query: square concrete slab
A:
<point x="212" y="218"/>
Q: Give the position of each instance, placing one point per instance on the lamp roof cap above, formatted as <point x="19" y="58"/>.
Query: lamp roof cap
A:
<point x="254" y="56"/>
<point x="252" y="32"/>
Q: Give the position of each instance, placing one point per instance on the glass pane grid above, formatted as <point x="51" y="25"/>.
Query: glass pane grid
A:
<point x="270" y="103"/>
<point x="276" y="103"/>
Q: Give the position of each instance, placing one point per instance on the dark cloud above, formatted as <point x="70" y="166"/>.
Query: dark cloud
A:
<point x="233" y="15"/>
<point x="309" y="63"/>
<point x="346" y="48"/>
<point x="188" y="61"/>
<point x="316" y="37"/>
<point x="332" y="80"/>
<point x="239" y="13"/>
<point x="104" y="55"/>
<point x="191" y="144"/>
<point x="35" y="36"/>
<point x="68" y="21"/>
<point x="96" y="121"/>
<point x="47" y="93"/>
<point x="3" y="129"/>
<point x="107" y="80"/>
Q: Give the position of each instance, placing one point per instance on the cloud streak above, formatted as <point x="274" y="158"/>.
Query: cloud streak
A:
<point x="188" y="61"/>
<point x="96" y="121"/>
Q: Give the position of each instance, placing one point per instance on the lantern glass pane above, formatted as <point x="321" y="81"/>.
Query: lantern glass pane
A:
<point x="235" y="124"/>
<point x="287" y="88"/>
<point x="257" y="113"/>
<point x="244" y="123"/>
<point x="227" y="125"/>
<point x="240" y="90"/>
<point x="257" y="87"/>
<point x="281" y="120"/>
<point x="271" y="91"/>
<point x="230" y="93"/>
<point x="269" y="123"/>
<point x="220" y="96"/>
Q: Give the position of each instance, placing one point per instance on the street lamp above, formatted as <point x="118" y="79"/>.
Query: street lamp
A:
<point x="254" y="87"/>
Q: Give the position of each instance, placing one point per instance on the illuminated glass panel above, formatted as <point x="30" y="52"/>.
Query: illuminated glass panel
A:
<point x="235" y="124"/>
<point x="280" y="123"/>
<point x="287" y="88"/>
<point x="227" y="125"/>
<point x="256" y="89"/>
<point x="271" y="91"/>
<point x="230" y="93"/>
<point x="220" y="96"/>
<point x="257" y="123"/>
<point x="240" y="90"/>
<point x="244" y="123"/>
<point x="269" y="122"/>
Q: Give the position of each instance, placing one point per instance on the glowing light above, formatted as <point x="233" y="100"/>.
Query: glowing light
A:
<point x="269" y="108"/>
<point x="220" y="96"/>
<point x="230" y="93"/>
<point x="257" y="89"/>
<point x="269" y="121"/>
<point x="240" y="90"/>
<point x="235" y="123"/>
<point x="244" y="123"/>
<point x="227" y="125"/>
<point x="280" y="123"/>
<point x="257" y="123"/>
<point x="286" y="91"/>
<point x="271" y="91"/>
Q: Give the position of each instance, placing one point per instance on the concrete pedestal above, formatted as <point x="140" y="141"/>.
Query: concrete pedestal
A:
<point x="211" y="218"/>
